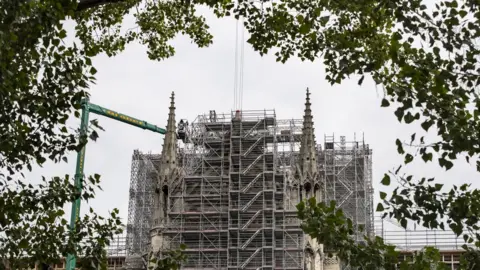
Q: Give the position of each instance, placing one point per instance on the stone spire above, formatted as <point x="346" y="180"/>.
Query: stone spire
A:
<point x="307" y="164"/>
<point x="169" y="149"/>
<point x="168" y="173"/>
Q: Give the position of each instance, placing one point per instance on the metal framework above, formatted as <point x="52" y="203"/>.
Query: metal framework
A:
<point x="347" y="170"/>
<point x="232" y="209"/>
<point x="144" y="172"/>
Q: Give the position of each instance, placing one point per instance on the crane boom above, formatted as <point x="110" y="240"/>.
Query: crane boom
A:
<point x="88" y="108"/>
<point x="124" y="118"/>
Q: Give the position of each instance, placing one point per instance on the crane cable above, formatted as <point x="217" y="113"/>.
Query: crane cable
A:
<point x="239" y="63"/>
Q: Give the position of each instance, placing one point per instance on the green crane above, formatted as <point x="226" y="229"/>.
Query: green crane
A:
<point x="88" y="108"/>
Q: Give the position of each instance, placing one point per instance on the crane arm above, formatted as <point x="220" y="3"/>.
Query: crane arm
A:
<point x="124" y="118"/>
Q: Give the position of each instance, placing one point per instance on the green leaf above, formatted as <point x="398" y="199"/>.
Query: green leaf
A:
<point x="427" y="157"/>
<point x="408" y="158"/>
<point x="400" y="112"/>
<point x="383" y="195"/>
<point x="23" y="244"/>
<point x="380" y="207"/>
<point x="304" y="28"/>
<point x="385" y="103"/>
<point x="403" y="223"/>
<point x="386" y="180"/>
<point x="13" y="37"/>
<point x="62" y="34"/>
<point x="409" y="118"/>
<point x="300" y="18"/>
<point x="399" y="147"/>
<point x="427" y="124"/>
<point x="445" y="163"/>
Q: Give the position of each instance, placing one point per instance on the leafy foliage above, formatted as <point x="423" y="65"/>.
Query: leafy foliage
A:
<point x="34" y="228"/>
<point x="43" y="78"/>
<point x="44" y="75"/>
<point x="423" y="203"/>
<point x="328" y="225"/>
<point x="170" y="260"/>
<point x="428" y="258"/>
<point x="470" y="259"/>
<point x="156" y="23"/>
<point x="425" y="58"/>
<point x="41" y="82"/>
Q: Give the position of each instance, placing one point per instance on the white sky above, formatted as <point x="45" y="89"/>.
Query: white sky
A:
<point x="203" y="80"/>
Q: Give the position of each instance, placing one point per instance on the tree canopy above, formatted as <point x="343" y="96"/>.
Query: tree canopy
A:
<point x="423" y="53"/>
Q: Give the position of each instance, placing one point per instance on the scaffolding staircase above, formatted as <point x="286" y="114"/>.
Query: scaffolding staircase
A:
<point x="250" y="258"/>
<point x="252" y="147"/>
<point x="247" y="187"/>
<point x="244" y="208"/>
<point x="253" y="128"/>
<point x="252" y="164"/>
<point x="250" y="239"/>
<point x="251" y="219"/>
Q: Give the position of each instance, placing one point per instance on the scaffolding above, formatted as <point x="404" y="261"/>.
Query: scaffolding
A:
<point x="229" y="210"/>
<point x="232" y="209"/>
<point x="198" y="203"/>
<point x="347" y="170"/>
<point x="144" y="172"/>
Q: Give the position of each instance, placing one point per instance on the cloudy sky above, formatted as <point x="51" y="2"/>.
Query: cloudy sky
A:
<point x="203" y="80"/>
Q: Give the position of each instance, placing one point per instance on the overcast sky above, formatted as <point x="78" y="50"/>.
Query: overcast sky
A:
<point x="203" y="80"/>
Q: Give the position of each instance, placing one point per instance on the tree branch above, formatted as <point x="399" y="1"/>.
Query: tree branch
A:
<point x="86" y="4"/>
